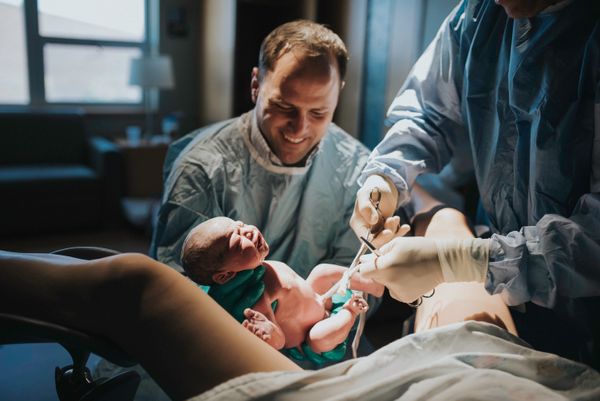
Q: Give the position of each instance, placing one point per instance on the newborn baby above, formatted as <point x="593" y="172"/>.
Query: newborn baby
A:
<point x="290" y="311"/>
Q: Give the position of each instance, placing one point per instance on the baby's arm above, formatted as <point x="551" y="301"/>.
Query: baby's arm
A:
<point x="325" y="275"/>
<point x="326" y="334"/>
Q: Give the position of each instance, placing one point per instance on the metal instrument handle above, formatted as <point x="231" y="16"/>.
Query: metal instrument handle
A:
<point x="375" y="197"/>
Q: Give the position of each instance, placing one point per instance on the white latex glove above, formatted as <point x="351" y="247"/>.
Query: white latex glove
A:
<point x="413" y="266"/>
<point x="364" y="216"/>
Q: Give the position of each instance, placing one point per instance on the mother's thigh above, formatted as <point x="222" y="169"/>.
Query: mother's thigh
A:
<point x="457" y="302"/>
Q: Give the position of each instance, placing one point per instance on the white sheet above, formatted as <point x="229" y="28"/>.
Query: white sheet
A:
<point x="464" y="361"/>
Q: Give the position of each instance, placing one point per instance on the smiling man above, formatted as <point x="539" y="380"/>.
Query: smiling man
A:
<point x="283" y="166"/>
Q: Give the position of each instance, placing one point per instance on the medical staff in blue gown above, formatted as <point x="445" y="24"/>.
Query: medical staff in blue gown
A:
<point x="283" y="167"/>
<point x="510" y="91"/>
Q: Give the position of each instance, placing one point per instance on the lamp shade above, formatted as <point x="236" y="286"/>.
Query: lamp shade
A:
<point x="152" y="72"/>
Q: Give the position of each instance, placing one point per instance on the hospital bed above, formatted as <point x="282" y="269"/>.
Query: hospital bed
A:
<point x="74" y="382"/>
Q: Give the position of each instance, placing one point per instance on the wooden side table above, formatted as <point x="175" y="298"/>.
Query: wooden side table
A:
<point x="143" y="164"/>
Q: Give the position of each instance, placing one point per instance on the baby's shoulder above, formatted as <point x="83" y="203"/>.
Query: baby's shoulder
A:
<point x="276" y="265"/>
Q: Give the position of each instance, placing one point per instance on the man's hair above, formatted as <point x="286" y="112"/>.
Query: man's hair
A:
<point x="315" y="40"/>
<point x="202" y="257"/>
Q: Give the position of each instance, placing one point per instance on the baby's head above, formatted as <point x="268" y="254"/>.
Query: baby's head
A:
<point x="214" y="251"/>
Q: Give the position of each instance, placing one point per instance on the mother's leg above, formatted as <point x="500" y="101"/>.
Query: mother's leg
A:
<point x="184" y="339"/>
<point x="456" y="302"/>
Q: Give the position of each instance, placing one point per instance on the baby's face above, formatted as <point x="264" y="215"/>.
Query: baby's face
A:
<point x="247" y="248"/>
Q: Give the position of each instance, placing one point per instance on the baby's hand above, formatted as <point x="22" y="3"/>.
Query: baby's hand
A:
<point x="356" y="305"/>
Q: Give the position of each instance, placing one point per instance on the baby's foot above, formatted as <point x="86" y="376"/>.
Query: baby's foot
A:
<point x="263" y="328"/>
<point x="356" y="305"/>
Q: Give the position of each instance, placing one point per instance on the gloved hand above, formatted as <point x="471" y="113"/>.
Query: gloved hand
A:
<point x="413" y="266"/>
<point x="365" y="216"/>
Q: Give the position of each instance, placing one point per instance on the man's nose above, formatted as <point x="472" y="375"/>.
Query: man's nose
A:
<point x="299" y="124"/>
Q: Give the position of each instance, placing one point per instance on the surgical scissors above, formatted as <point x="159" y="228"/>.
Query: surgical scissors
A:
<point x="342" y="285"/>
<point x="375" y="198"/>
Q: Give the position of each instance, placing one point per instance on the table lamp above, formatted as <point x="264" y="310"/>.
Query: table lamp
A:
<point x="151" y="73"/>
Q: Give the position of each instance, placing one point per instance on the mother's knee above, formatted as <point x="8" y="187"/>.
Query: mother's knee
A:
<point x="124" y="279"/>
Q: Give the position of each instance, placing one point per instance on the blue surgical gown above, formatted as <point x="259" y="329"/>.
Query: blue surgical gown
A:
<point x="517" y="103"/>
<point x="227" y="169"/>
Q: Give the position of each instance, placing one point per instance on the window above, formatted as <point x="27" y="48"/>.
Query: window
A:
<point x="70" y="51"/>
<point x="14" y="87"/>
<point x="79" y="74"/>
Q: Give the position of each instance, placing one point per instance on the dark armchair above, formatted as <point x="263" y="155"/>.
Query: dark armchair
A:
<point x="53" y="177"/>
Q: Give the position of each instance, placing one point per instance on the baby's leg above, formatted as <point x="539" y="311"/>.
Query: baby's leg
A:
<point x="325" y="275"/>
<point x="263" y="328"/>
<point x="326" y="334"/>
<point x="182" y="337"/>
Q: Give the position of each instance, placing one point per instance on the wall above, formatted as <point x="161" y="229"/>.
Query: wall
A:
<point x="421" y="20"/>
<point x="178" y="37"/>
<point x="435" y="11"/>
<point x="347" y="18"/>
<point x="406" y="39"/>
<point x="215" y="50"/>
<point x="414" y="24"/>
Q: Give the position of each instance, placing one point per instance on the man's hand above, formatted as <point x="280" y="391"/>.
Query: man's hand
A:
<point x="410" y="267"/>
<point x="365" y="216"/>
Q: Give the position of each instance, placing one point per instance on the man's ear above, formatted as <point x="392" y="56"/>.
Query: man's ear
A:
<point x="223" y="277"/>
<point x="254" y="84"/>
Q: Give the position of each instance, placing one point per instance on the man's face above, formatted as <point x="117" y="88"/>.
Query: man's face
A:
<point x="524" y="8"/>
<point x="295" y="104"/>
